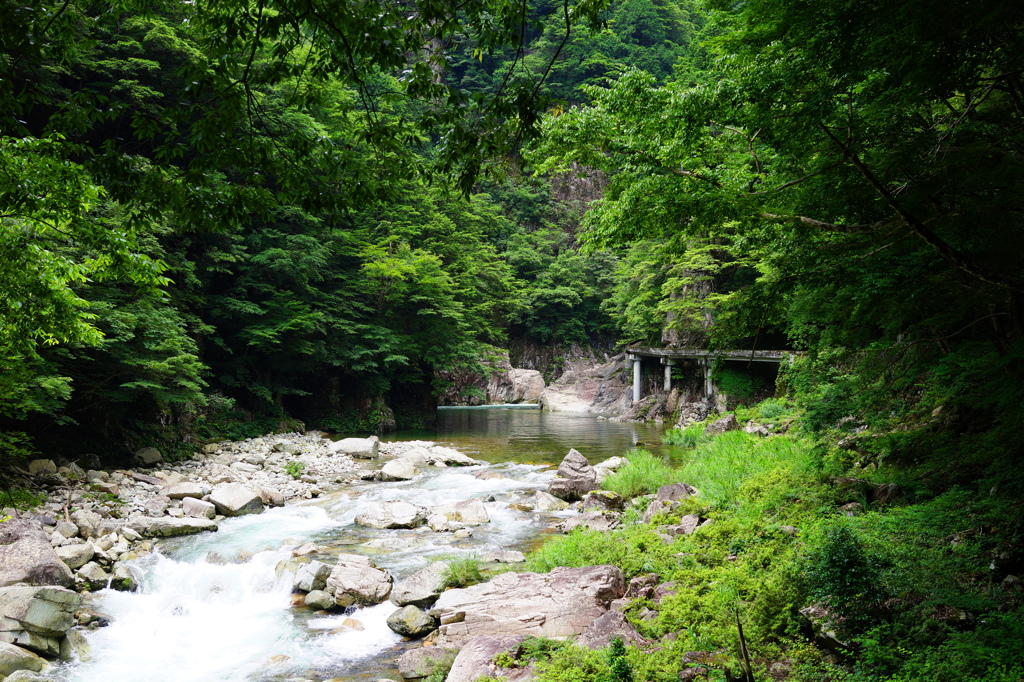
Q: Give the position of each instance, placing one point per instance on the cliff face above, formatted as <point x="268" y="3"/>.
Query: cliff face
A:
<point x="604" y="389"/>
<point x="501" y="384"/>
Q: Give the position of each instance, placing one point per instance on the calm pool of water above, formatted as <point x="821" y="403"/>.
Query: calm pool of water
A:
<point x="532" y="436"/>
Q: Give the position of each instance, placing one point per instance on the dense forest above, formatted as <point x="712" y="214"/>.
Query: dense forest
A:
<point x="222" y="219"/>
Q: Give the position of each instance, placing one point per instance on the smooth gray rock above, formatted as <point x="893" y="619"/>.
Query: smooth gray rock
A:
<point x="410" y="621"/>
<point x="476" y="660"/>
<point x="29" y="676"/>
<point x="416" y="664"/>
<point x="398" y="470"/>
<point x="26" y="556"/>
<point x="198" y="509"/>
<point x="36" y="618"/>
<point x="721" y="425"/>
<point x="359" y="448"/>
<point x="184" y="489"/>
<point x="603" y="500"/>
<point x="674" y="492"/>
<point x="42" y="467"/>
<point x="147" y="457"/>
<point x="235" y="499"/>
<point x="470" y="512"/>
<point x="319" y="599"/>
<point x="66" y="528"/>
<point x="575" y="478"/>
<point x="14" y="658"/>
<point x="75" y="556"/>
<point x="450" y="457"/>
<point x="558" y="604"/>
<point x="608" y="467"/>
<point x="422" y="588"/>
<point x="93" y="577"/>
<point x="545" y="502"/>
<point x="393" y="514"/>
<point x="166" y="526"/>
<point x="88" y="523"/>
<point x="686" y="526"/>
<point x="311" y="576"/>
<point x="357" y="581"/>
<point x="75" y="646"/>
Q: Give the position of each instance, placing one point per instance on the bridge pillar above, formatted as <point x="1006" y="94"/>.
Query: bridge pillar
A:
<point x="636" y="377"/>
<point x="709" y="387"/>
<point x="669" y="363"/>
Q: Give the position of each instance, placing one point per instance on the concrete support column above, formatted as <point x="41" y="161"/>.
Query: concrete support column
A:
<point x="709" y="388"/>
<point x="669" y="363"/>
<point x="636" y="378"/>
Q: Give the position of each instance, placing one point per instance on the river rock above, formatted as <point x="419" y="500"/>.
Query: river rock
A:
<point x="608" y="467"/>
<point x="235" y="499"/>
<point x="26" y="556"/>
<point x="42" y="467"/>
<point x="75" y="556"/>
<point x="545" y="502"/>
<point x="674" y="492"/>
<point x="558" y="604"/>
<point x="439" y="523"/>
<point x="14" y="658"/>
<point x="29" y="676"/>
<point x="37" y="617"/>
<point x="393" y="514"/>
<point x="592" y="520"/>
<point x="66" y="528"/>
<point x="451" y="457"/>
<point x="179" y="491"/>
<point x="476" y="660"/>
<point x="92" y="577"/>
<point x="320" y="600"/>
<point x="198" y="509"/>
<point x="470" y="512"/>
<point x="360" y="448"/>
<point x="397" y="470"/>
<point x="410" y="621"/>
<point x="603" y="500"/>
<point x="156" y="505"/>
<point x="603" y="629"/>
<point x="357" y="581"/>
<point x="416" y="664"/>
<point x="505" y="556"/>
<point x="271" y="497"/>
<point x="574" y="479"/>
<point x="422" y="587"/>
<point x="721" y="425"/>
<point x="147" y="457"/>
<point x="77" y="646"/>
<point x="165" y="526"/>
<point x="311" y="576"/>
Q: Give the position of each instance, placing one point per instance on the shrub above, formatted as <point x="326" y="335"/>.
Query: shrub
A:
<point x="644" y="473"/>
<point x="844" y="578"/>
<point x="293" y="469"/>
<point x="720" y="467"/>
<point x="463" y="570"/>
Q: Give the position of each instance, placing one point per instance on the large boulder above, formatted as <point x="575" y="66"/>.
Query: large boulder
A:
<point x="575" y="478"/>
<point x="312" y="576"/>
<point x="410" y="621"/>
<point x="603" y="629"/>
<point x="14" y="658"/>
<point x="168" y="526"/>
<point x="235" y="499"/>
<point x="360" y="448"/>
<point x="397" y="470"/>
<point x="357" y="581"/>
<point x="421" y="588"/>
<point x="470" y="512"/>
<point x="42" y="467"/>
<point x="147" y="457"/>
<point x="721" y="425"/>
<point x="198" y="509"/>
<point x="75" y="556"/>
<point x="440" y="455"/>
<point x="477" y="656"/>
<point x="393" y="514"/>
<point x="544" y="502"/>
<point x="184" y="489"/>
<point x="416" y="664"/>
<point x="558" y="604"/>
<point x="26" y="556"/>
<point x="36" y="618"/>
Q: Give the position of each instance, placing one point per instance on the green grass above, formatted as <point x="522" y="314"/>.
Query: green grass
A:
<point x="690" y="437"/>
<point x="463" y="570"/>
<point x="644" y="474"/>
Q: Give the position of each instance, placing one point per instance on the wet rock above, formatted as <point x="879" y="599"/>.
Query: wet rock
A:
<point x="416" y="664"/>
<point x="29" y="676"/>
<point x="574" y="479"/>
<point x="603" y="500"/>
<point x="422" y="588"/>
<point x="359" y="448"/>
<point x="312" y="576"/>
<point x="449" y="457"/>
<point x="122" y="579"/>
<point x="410" y="621"/>
<point x="36" y="618"/>
<point x="593" y="520"/>
<point x="393" y="514"/>
<point x="235" y="499"/>
<point x="185" y="489"/>
<point x="320" y="600"/>
<point x="505" y="556"/>
<point x="561" y="603"/>
<point x="606" y="627"/>
<point x="147" y="457"/>
<point x="357" y="581"/>
<point x="721" y="425"/>
<point x="75" y="556"/>
<point x="439" y="523"/>
<point x="165" y="526"/>
<point x="26" y="556"/>
<point x="14" y="658"/>
<point x="92" y="577"/>
<point x="198" y="509"/>
<point x="397" y="470"/>
<point x="75" y="646"/>
<point x="545" y="502"/>
<point x="469" y="512"/>
<point x="476" y="659"/>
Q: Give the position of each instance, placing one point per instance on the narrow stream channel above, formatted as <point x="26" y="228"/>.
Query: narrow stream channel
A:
<point x="211" y="607"/>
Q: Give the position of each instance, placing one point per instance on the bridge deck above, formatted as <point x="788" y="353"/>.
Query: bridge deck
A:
<point x="691" y="354"/>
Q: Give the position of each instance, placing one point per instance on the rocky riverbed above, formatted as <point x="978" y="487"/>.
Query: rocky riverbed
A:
<point x="98" y="527"/>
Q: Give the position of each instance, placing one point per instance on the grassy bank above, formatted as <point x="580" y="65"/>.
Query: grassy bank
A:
<point x="912" y="574"/>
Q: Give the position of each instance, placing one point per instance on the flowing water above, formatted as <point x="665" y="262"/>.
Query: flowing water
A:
<point x="211" y="608"/>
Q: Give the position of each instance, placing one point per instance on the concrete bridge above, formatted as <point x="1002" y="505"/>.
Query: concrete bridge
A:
<point x="704" y="358"/>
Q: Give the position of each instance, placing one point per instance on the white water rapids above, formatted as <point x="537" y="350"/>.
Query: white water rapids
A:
<point x="210" y="607"/>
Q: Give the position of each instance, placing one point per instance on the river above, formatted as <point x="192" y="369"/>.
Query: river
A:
<point x="211" y="608"/>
